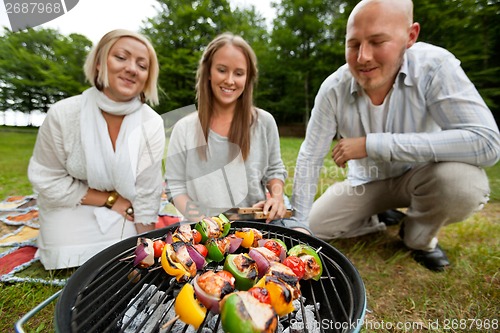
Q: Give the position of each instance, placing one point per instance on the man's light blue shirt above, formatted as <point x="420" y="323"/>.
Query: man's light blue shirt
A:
<point x="435" y="114"/>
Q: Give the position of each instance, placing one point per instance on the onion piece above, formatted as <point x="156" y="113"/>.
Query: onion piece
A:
<point x="140" y="254"/>
<point x="234" y="243"/>
<point x="211" y="302"/>
<point x="282" y="254"/>
<point x="168" y="238"/>
<point x="262" y="241"/>
<point x="144" y="252"/>
<point x="260" y="260"/>
<point x="196" y="256"/>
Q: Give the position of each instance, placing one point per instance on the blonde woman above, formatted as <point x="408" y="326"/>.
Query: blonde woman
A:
<point x="96" y="164"/>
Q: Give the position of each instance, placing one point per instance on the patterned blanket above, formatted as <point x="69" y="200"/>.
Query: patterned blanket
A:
<point x="18" y="232"/>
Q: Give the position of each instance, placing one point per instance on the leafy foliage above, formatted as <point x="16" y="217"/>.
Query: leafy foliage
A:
<point x="470" y="29"/>
<point x="307" y="36"/>
<point x="303" y="45"/>
<point x="39" y="67"/>
<point x="181" y="30"/>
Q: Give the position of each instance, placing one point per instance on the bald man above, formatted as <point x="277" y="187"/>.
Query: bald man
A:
<point x="413" y="131"/>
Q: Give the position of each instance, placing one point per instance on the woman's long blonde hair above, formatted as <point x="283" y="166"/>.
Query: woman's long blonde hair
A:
<point x="239" y="133"/>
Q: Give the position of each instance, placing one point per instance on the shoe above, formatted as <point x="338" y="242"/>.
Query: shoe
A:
<point x="391" y="217"/>
<point x="435" y="260"/>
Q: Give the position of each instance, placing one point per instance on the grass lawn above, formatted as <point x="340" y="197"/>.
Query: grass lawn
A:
<point x="402" y="295"/>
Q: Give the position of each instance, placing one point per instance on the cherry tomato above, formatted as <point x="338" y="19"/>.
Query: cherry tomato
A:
<point x="196" y="236"/>
<point x="202" y="249"/>
<point x="296" y="265"/>
<point x="158" y="246"/>
<point x="261" y="294"/>
<point x="273" y="246"/>
<point x="227" y="276"/>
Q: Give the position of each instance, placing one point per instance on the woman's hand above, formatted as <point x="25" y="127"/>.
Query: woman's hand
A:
<point x="190" y="210"/>
<point x="275" y="204"/>
<point x="121" y="206"/>
<point x="98" y="198"/>
<point x="274" y="208"/>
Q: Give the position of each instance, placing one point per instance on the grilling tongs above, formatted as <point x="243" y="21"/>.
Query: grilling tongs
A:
<point x="243" y="213"/>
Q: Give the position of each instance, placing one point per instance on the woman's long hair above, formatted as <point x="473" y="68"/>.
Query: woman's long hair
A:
<point x="239" y="133"/>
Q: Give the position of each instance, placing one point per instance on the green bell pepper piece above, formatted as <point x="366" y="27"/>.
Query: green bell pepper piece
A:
<point x="244" y="270"/>
<point x="302" y="249"/>
<point x="243" y="313"/>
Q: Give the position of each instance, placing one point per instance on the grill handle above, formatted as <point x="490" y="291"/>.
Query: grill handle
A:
<point x="24" y="319"/>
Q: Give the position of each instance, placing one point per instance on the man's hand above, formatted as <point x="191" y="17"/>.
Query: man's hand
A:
<point x="349" y="149"/>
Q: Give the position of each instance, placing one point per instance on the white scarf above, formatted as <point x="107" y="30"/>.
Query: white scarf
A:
<point x="109" y="169"/>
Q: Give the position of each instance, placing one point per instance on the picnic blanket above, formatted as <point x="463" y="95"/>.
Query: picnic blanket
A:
<point x="19" y="230"/>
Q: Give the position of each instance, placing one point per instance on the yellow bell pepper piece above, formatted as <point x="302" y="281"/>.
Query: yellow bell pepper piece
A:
<point x="280" y="294"/>
<point x="247" y="236"/>
<point x="188" y="308"/>
<point x="171" y="267"/>
<point x="219" y="221"/>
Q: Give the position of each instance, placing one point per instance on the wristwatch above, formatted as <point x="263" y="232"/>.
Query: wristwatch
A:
<point x="110" y="201"/>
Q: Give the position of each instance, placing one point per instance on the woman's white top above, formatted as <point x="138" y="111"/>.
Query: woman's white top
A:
<point x="70" y="233"/>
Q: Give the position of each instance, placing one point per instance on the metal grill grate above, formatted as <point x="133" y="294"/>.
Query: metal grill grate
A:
<point x="100" y="298"/>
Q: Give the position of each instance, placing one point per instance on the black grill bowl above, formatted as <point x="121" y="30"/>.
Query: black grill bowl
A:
<point x="98" y="294"/>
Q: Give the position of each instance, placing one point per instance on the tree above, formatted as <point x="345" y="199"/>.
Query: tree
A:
<point x="181" y="30"/>
<point x="39" y="67"/>
<point x="308" y="42"/>
<point x="470" y="29"/>
<point x="304" y="46"/>
<point x="307" y="39"/>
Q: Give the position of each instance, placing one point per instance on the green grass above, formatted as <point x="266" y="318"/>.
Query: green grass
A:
<point x="399" y="291"/>
<point x="16" y="146"/>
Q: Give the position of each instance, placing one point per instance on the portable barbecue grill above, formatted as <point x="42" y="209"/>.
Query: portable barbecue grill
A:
<point x="99" y="297"/>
